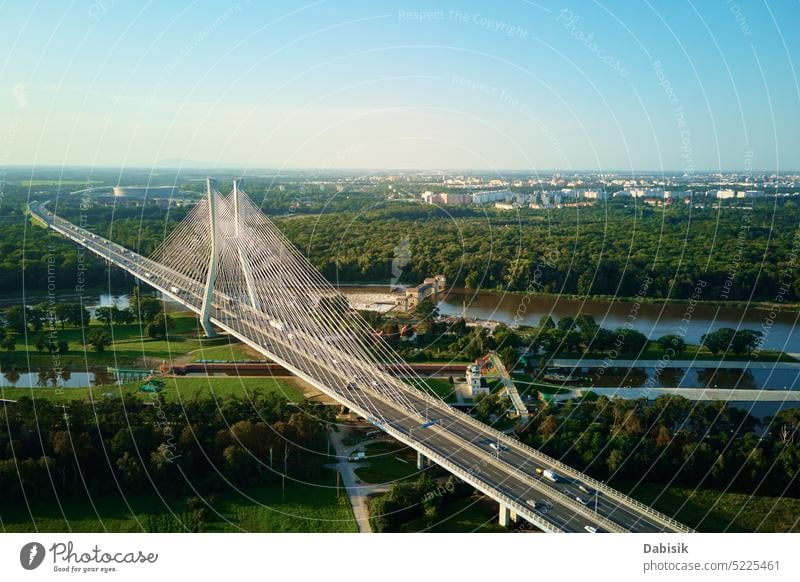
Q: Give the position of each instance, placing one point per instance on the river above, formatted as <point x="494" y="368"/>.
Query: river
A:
<point x="49" y="378"/>
<point x="653" y="320"/>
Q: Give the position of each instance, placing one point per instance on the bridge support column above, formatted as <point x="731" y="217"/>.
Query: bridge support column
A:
<point x="421" y="461"/>
<point x="504" y="518"/>
<point x="213" y="263"/>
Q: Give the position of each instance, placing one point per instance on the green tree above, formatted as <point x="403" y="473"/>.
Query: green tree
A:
<point x="745" y="341"/>
<point x="509" y="357"/>
<point x="41" y="343"/>
<point x="671" y="341"/>
<point x="38" y="316"/>
<point x="130" y="470"/>
<point x="427" y="309"/>
<point x="157" y="328"/>
<point x="546" y="322"/>
<point x="99" y="340"/>
<point x="125" y="316"/>
<point x="633" y="341"/>
<point x="15" y="318"/>
<point x="72" y="314"/>
<point x="566" y="323"/>
<point x="505" y="336"/>
<point x="588" y="329"/>
<point x="718" y="341"/>
<point x="9" y="342"/>
<point x="106" y="315"/>
<point x="144" y="307"/>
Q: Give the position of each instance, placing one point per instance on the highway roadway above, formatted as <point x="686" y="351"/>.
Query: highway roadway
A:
<point x="497" y="465"/>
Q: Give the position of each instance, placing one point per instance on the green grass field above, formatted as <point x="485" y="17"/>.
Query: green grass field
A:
<point x="387" y="462"/>
<point x="176" y="389"/>
<point x="708" y="510"/>
<point x="461" y="516"/>
<point x="442" y="388"/>
<point x="306" y="508"/>
<point x="129" y="348"/>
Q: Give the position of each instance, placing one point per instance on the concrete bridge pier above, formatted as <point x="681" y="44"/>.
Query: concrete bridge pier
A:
<point x="422" y="462"/>
<point x="504" y="518"/>
<point x="507" y="516"/>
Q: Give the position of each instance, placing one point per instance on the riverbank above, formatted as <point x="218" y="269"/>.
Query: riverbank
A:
<point x="654" y="320"/>
<point x="775" y="361"/>
<point x="757" y="305"/>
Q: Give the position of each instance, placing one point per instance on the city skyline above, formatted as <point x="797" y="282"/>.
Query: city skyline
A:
<point x="537" y="87"/>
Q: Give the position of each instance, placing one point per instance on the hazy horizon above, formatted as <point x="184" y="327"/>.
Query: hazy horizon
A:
<point x="199" y="166"/>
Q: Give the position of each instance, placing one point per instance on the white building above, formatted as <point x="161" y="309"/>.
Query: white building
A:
<point x="504" y="205"/>
<point x="146" y="191"/>
<point x="595" y="195"/>
<point x="487" y="196"/>
<point x="656" y="193"/>
<point x="474" y="383"/>
<point x="432" y="197"/>
<point x="725" y="194"/>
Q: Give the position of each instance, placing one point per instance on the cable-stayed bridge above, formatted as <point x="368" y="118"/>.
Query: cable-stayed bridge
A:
<point x="228" y="263"/>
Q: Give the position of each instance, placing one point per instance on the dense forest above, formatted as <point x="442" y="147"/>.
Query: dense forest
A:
<point x="671" y="439"/>
<point x="198" y="446"/>
<point x="31" y="258"/>
<point x="619" y="248"/>
<point x="614" y="249"/>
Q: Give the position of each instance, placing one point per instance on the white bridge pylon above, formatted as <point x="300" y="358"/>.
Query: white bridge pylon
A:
<point x="219" y="236"/>
<point x="249" y="277"/>
<point x="213" y="260"/>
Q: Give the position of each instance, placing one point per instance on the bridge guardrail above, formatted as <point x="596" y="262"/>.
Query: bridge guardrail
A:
<point x="566" y="469"/>
<point x="467" y="477"/>
<point x="551" y="491"/>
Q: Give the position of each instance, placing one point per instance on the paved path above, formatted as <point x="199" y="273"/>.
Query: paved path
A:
<point x="719" y="364"/>
<point x="356" y="491"/>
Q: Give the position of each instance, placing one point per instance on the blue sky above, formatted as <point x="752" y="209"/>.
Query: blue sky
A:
<point x="686" y="86"/>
